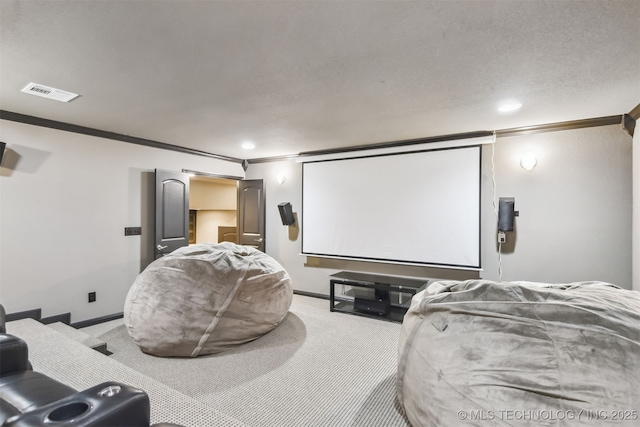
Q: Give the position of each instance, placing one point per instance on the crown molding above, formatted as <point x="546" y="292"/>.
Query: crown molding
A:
<point x="626" y="120"/>
<point x="68" y="127"/>
<point x="524" y="130"/>
<point x="560" y="126"/>
<point x="391" y="144"/>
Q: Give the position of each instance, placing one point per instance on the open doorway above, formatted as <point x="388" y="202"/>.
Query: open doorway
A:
<point x="219" y="203"/>
<point x="213" y="210"/>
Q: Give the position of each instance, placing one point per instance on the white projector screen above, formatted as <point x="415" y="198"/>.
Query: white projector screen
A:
<point x="418" y="208"/>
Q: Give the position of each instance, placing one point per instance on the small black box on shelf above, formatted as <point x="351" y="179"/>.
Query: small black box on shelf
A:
<point x="374" y="306"/>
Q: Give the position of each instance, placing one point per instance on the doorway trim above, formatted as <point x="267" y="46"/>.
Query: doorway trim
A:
<point x="213" y="175"/>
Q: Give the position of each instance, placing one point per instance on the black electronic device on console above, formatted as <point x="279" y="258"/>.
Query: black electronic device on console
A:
<point x="381" y="305"/>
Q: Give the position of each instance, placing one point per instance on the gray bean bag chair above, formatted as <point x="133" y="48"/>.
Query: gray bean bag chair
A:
<point x="483" y="353"/>
<point x="206" y="298"/>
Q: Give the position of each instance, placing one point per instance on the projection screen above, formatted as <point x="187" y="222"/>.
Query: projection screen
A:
<point x="418" y="208"/>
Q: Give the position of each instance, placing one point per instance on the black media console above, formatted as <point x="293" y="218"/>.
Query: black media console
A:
<point x="373" y="295"/>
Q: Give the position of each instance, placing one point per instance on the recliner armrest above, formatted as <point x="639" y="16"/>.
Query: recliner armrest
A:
<point x="14" y="355"/>
<point x="106" y="404"/>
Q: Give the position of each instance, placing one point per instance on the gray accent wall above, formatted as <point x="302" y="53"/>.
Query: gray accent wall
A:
<point x="575" y="212"/>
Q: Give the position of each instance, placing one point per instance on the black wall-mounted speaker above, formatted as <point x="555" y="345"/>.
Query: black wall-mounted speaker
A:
<point x="2" y="147"/>
<point x="286" y="213"/>
<point x="506" y="213"/>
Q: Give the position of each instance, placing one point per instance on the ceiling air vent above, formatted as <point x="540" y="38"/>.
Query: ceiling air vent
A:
<point x="49" y="92"/>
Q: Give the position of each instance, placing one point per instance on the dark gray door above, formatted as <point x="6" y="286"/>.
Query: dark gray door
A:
<point x="251" y="212"/>
<point x="172" y="211"/>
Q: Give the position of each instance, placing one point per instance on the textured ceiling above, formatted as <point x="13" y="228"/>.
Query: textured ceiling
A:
<point x="296" y="76"/>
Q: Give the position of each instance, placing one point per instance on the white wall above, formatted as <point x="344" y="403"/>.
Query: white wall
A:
<point x="575" y="207"/>
<point x="574" y="224"/>
<point x="65" y="200"/>
<point x="636" y="209"/>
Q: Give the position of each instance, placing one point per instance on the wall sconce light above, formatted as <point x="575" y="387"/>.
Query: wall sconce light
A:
<point x="528" y="161"/>
<point x="281" y="178"/>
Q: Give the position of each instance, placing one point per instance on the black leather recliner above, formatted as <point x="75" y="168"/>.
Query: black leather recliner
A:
<point x="29" y="398"/>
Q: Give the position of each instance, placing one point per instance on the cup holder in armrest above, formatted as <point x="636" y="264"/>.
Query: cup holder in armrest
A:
<point x="68" y="411"/>
<point x="106" y="404"/>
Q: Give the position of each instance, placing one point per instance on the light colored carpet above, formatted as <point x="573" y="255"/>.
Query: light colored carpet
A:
<point x="317" y="368"/>
<point x="70" y="362"/>
<point x="81" y="337"/>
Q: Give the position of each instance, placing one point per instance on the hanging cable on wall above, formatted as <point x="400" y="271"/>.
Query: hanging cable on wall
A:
<point x="494" y="201"/>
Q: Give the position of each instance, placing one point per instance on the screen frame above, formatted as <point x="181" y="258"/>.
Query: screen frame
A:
<point x="477" y="266"/>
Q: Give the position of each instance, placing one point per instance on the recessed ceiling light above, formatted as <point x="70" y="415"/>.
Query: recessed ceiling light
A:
<point x="509" y="106"/>
<point x="248" y="145"/>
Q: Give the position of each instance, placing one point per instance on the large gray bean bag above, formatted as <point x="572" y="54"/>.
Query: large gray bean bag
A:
<point x="482" y="353"/>
<point x="206" y="298"/>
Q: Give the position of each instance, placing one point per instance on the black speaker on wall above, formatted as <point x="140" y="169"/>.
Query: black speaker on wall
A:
<point x="286" y="213"/>
<point x="2" y="146"/>
<point x="506" y="213"/>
